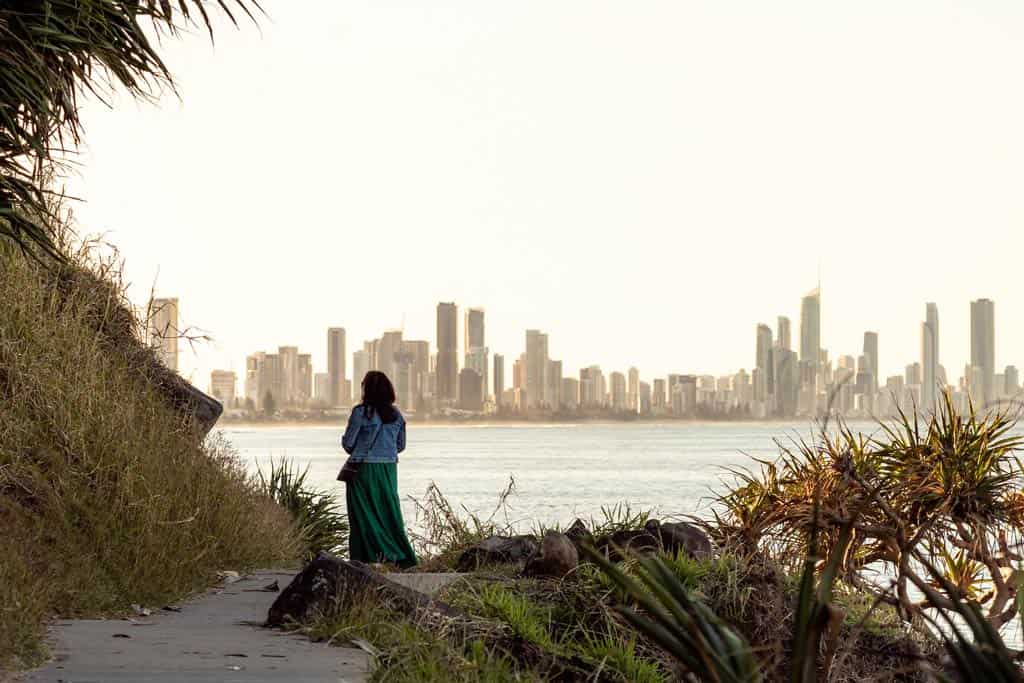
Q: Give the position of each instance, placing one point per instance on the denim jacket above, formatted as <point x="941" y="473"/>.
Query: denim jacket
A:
<point x="370" y="440"/>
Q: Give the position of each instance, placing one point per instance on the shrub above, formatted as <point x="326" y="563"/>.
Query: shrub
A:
<point x="321" y="522"/>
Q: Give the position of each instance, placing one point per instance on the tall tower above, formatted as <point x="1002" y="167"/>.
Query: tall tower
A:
<point x="871" y="354"/>
<point x="447" y="351"/>
<point x="499" y="379"/>
<point x="536" y="367"/>
<point x="784" y="339"/>
<point x="766" y="372"/>
<point x="337" y="382"/>
<point x="983" y="346"/>
<point x="930" y="358"/>
<point x="163" y="330"/>
<point x="474" y="346"/>
<point x="810" y="328"/>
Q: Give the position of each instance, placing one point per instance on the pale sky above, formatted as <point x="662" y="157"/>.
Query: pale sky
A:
<point x="645" y="181"/>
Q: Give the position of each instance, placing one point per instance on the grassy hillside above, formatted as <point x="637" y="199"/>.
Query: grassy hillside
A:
<point x="107" y="497"/>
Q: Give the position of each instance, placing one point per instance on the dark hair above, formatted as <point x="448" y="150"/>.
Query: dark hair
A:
<point x="379" y="396"/>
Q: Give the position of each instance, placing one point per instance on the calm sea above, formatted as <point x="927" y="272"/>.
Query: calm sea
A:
<point x="561" y="471"/>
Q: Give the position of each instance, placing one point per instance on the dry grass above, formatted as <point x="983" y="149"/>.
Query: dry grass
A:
<point x="107" y="498"/>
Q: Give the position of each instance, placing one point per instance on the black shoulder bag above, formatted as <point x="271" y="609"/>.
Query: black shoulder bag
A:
<point x="350" y="470"/>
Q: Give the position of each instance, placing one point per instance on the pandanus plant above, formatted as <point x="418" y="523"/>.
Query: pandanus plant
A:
<point x="53" y="51"/>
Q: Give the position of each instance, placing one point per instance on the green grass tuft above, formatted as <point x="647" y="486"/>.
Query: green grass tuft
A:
<point x="322" y="522"/>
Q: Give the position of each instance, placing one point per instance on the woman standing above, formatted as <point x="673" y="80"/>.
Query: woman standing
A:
<point x="373" y="439"/>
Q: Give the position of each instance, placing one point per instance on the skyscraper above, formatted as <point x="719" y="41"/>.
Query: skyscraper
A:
<point x="163" y="330"/>
<point x="499" y="378"/>
<point x="536" y="368"/>
<point x="289" y="376"/>
<point x="810" y="329"/>
<point x="633" y="392"/>
<point x="222" y="386"/>
<point x="765" y="386"/>
<point x="783" y="338"/>
<point x="930" y="358"/>
<point x="303" y="379"/>
<point x="983" y="346"/>
<point x="871" y="354"/>
<point x="475" y="347"/>
<point x="361" y="364"/>
<point x="618" y="391"/>
<point x="337" y="383"/>
<point x="553" y="384"/>
<point x="447" y="351"/>
<point x="389" y="350"/>
<point x="470" y="385"/>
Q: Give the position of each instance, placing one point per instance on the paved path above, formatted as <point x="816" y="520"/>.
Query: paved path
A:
<point x="214" y="638"/>
<point x="428" y="583"/>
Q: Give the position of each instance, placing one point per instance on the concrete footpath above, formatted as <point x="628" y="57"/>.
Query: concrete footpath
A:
<point x="215" y="637"/>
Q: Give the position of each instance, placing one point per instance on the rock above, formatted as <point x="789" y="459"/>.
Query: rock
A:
<point x="627" y="541"/>
<point x="676" y="536"/>
<point x="328" y="579"/>
<point x="556" y="557"/>
<point x="497" y="550"/>
<point x="579" y="534"/>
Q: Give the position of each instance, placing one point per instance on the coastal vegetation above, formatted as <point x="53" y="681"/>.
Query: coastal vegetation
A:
<point x="890" y="556"/>
<point x="108" y="494"/>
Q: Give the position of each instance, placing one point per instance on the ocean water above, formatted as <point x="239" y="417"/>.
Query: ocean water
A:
<point x="561" y="471"/>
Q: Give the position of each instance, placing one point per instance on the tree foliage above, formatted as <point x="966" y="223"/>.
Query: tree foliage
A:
<point x="52" y="52"/>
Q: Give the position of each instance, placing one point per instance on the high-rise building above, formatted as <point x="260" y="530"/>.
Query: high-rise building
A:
<point x="553" y="384"/>
<point x="644" y="399"/>
<point x="289" y="381"/>
<point x="618" y="391"/>
<point x="633" y="391"/>
<point x="912" y="374"/>
<point x="415" y="357"/>
<point x="570" y="393"/>
<point x="931" y="383"/>
<point x="474" y="345"/>
<point x="447" y="351"/>
<point x="303" y="379"/>
<point x="536" y="368"/>
<point x="264" y="380"/>
<point x="322" y="388"/>
<point x="765" y="386"/>
<point x="592" y="394"/>
<point x="983" y="346"/>
<point x="222" y="386"/>
<point x="389" y="349"/>
<point x="499" y="378"/>
<point x="658" y="401"/>
<point x="1011" y="379"/>
<point x="786" y="370"/>
<point x="871" y="355"/>
<point x="361" y="365"/>
<point x="810" y="330"/>
<point x="470" y="390"/>
<point x="474" y="329"/>
<point x="784" y="337"/>
<point x="163" y="330"/>
<point x="338" y="393"/>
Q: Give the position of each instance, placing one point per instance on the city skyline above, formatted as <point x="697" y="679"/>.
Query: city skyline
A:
<point x="647" y="211"/>
<point x="781" y="382"/>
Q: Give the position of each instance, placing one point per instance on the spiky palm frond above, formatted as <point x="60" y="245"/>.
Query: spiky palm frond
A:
<point x="52" y="51"/>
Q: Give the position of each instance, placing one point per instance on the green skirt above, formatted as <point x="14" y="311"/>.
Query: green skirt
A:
<point x="376" y="529"/>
